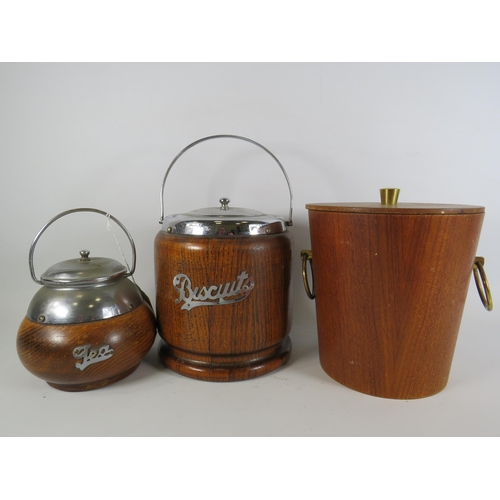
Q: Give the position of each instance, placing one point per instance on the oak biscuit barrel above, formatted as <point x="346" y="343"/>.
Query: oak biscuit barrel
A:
<point x="390" y="283"/>
<point x="223" y="290"/>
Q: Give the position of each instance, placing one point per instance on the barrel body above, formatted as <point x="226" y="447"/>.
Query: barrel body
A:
<point x="390" y="292"/>
<point x="86" y="356"/>
<point x="223" y="304"/>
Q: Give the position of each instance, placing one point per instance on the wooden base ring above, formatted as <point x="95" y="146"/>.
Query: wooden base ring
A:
<point x="225" y="368"/>
<point x="90" y="386"/>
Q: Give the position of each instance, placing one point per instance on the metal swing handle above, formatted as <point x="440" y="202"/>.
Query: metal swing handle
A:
<point x="289" y="222"/>
<point x="67" y="212"/>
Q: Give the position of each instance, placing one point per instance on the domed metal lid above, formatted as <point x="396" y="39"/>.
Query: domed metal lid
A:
<point x="85" y="271"/>
<point x="83" y="290"/>
<point x="223" y="221"/>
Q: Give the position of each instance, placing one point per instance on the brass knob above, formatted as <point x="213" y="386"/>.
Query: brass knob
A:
<point x="389" y="196"/>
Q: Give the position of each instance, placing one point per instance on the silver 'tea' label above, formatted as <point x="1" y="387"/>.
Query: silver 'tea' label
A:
<point x="90" y="355"/>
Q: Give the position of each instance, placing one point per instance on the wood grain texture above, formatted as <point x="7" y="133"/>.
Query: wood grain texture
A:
<point x="225" y="342"/>
<point x="390" y="292"/>
<point x="47" y="350"/>
<point x="399" y="208"/>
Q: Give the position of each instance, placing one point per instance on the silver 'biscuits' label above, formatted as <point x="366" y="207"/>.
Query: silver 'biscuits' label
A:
<point x="89" y="355"/>
<point x="214" y="295"/>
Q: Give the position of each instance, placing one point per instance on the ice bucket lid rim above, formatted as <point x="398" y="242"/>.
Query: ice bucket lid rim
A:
<point x="399" y="209"/>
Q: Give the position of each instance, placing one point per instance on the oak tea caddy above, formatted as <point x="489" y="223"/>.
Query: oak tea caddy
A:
<point x="89" y="325"/>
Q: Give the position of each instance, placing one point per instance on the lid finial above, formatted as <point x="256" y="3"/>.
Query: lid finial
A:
<point x="84" y="255"/>
<point x="389" y="196"/>
<point x="224" y="203"/>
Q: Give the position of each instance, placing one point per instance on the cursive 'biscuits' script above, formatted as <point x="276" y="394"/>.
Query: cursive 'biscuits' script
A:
<point x="213" y="295"/>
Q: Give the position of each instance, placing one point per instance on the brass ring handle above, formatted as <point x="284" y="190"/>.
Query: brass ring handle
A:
<point x="306" y="256"/>
<point x="482" y="283"/>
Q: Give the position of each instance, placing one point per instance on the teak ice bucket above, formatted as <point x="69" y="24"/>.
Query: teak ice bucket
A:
<point x="390" y="282"/>
<point x="223" y="286"/>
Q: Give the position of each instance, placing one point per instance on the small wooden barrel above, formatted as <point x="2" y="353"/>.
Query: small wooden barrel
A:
<point x="223" y="286"/>
<point x="390" y="287"/>
<point x="88" y="326"/>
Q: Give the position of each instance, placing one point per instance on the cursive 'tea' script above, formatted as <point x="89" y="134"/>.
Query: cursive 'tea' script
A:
<point x="214" y="295"/>
<point x="89" y="355"/>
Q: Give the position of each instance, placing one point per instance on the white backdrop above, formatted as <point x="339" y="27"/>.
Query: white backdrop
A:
<point x="102" y="136"/>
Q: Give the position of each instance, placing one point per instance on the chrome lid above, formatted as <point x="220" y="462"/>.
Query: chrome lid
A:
<point x="223" y="221"/>
<point x="84" y="271"/>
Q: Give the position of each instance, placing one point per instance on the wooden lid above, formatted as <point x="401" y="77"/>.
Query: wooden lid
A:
<point x="398" y="209"/>
<point x="389" y="205"/>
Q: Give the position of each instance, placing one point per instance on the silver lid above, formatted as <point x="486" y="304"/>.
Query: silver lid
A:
<point x="84" y="271"/>
<point x="223" y="221"/>
<point x="84" y="290"/>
